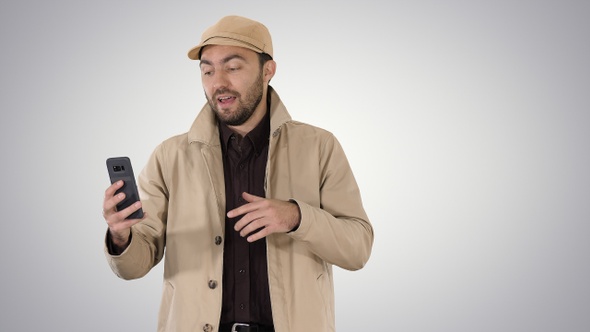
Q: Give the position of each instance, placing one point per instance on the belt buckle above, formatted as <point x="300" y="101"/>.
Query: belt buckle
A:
<point x="234" y="327"/>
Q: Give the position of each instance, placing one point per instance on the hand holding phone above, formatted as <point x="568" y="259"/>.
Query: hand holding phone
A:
<point x="119" y="168"/>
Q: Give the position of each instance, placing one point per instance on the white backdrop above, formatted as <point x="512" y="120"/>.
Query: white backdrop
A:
<point x="466" y="124"/>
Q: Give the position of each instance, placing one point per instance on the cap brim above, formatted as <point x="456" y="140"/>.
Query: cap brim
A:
<point x="195" y="52"/>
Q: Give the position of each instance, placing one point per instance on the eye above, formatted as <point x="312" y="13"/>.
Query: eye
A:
<point x="233" y="66"/>
<point x="206" y="71"/>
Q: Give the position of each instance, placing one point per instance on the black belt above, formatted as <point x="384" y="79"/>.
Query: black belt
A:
<point x="245" y="327"/>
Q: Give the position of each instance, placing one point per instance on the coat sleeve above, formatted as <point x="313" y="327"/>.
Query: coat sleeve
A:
<point x="338" y="231"/>
<point x="147" y="244"/>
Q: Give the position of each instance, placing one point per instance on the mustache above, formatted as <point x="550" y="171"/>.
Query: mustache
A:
<point x="225" y="91"/>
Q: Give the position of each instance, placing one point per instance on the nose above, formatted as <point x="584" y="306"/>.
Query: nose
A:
<point x="220" y="80"/>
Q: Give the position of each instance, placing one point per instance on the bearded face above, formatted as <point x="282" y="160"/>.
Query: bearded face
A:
<point x="234" y="108"/>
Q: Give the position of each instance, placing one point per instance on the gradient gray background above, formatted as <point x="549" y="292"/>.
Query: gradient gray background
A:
<point x="466" y="124"/>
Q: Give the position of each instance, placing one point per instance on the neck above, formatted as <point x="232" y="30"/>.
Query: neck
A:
<point x="255" y="119"/>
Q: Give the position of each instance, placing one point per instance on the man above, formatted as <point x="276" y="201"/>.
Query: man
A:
<point x="252" y="207"/>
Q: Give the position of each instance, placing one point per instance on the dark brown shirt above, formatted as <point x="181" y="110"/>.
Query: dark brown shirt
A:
<point x="246" y="296"/>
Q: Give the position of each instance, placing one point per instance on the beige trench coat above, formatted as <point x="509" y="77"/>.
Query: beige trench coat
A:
<point x="182" y="191"/>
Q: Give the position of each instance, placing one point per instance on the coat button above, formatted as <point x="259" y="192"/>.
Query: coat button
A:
<point x="207" y="328"/>
<point x="212" y="284"/>
<point x="218" y="240"/>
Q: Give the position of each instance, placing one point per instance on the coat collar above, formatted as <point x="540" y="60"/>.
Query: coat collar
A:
<point x="204" y="128"/>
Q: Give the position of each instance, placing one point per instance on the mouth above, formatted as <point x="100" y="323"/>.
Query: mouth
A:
<point x="225" y="100"/>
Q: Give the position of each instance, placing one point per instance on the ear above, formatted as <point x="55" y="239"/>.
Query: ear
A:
<point x="269" y="70"/>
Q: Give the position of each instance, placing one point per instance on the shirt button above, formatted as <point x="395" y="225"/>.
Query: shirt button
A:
<point x="218" y="240"/>
<point x="207" y="328"/>
<point x="242" y="306"/>
<point x="242" y="271"/>
<point x="212" y="284"/>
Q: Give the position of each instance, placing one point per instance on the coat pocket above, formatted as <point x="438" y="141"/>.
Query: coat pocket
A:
<point x="325" y="284"/>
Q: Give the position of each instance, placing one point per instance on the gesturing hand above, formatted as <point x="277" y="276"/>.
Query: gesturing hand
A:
<point x="268" y="215"/>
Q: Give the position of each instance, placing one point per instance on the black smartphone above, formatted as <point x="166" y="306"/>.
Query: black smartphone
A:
<point x="120" y="169"/>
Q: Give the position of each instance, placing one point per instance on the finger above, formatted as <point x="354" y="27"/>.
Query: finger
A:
<point x="246" y="220"/>
<point x="242" y="210"/>
<point x="251" y="226"/>
<point x="111" y="199"/>
<point x="246" y="208"/>
<point x="123" y="225"/>
<point x="262" y="233"/>
<point x="110" y="204"/>
<point x="117" y="221"/>
<point x="126" y="212"/>
<point x="113" y="188"/>
<point x="251" y="198"/>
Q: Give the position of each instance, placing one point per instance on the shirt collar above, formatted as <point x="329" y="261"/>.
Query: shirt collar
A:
<point x="259" y="136"/>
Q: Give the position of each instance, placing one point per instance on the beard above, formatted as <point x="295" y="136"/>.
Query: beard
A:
<point x="245" y="107"/>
